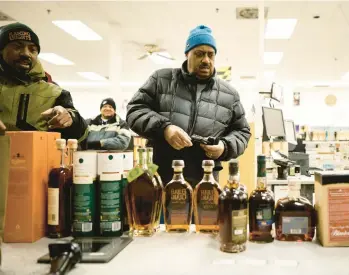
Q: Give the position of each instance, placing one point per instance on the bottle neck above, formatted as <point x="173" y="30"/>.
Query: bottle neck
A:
<point x="233" y="180"/>
<point x="142" y="160"/>
<point x="208" y="176"/>
<point x="71" y="156"/>
<point x="150" y="157"/>
<point x="294" y="193"/>
<point x="261" y="183"/>
<point x="178" y="175"/>
<point x="62" y="158"/>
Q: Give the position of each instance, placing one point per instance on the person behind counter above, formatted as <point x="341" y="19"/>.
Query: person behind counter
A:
<point x="27" y="101"/>
<point x="174" y="104"/>
<point x="108" y="131"/>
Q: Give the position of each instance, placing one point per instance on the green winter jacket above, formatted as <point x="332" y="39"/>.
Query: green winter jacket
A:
<point x="22" y="100"/>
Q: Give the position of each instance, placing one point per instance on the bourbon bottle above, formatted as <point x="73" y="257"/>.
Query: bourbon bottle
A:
<point x="178" y="201"/>
<point x="141" y="195"/>
<point x="59" y="198"/>
<point x="159" y="187"/>
<point x="295" y="216"/>
<point x="205" y="197"/>
<point x="261" y="207"/>
<point x="233" y="213"/>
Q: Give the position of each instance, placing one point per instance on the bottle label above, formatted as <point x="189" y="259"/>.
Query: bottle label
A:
<point x="264" y="216"/>
<point x="239" y="226"/>
<point x="179" y="206"/>
<point x="208" y="206"/>
<point x="152" y="168"/>
<point x="53" y="206"/>
<point x="110" y="163"/>
<point x="111" y="204"/>
<point x="295" y="225"/>
<point x="134" y="173"/>
<point x="83" y="207"/>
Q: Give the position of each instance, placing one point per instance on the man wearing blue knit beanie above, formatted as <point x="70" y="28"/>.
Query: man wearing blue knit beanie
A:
<point x="176" y="106"/>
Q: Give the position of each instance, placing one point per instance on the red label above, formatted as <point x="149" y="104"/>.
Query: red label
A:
<point x="338" y="213"/>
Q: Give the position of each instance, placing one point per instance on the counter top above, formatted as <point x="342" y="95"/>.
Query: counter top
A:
<point x="301" y="179"/>
<point x="189" y="254"/>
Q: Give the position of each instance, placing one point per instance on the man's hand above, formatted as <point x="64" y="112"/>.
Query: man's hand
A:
<point x="176" y="137"/>
<point x="2" y="126"/>
<point x="58" y="117"/>
<point x="213" y="151"/>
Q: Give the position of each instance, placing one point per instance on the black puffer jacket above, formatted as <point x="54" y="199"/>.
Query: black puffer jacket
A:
<point x="169" y="97"/>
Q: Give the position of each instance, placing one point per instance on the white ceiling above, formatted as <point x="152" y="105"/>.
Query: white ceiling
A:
<point x="317" y="51"/>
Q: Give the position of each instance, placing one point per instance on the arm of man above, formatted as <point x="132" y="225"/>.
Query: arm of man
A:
<point x="236" y="140"/>
<point x="120" y="142"/>
<point x="78" y="127"/>
<point x="141" y="111"/>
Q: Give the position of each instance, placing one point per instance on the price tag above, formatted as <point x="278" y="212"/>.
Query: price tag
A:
<point x="152" y="168"/>
<point x="134" y="173"/>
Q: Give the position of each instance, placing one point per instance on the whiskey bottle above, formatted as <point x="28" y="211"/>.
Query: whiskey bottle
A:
<point x="141" y="195"/>
<point x="159" y="187"/>
<point x="295" y="217"/>
<point x="261" y="207"/>
<point x="233" y="213"/>
<point x="59" y="188"/>
<point x="205" y="197"/>
<point x="178" y="201"/>
<point x="127" y="166"/>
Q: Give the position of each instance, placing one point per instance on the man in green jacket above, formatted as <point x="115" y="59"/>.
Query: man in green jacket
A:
<point x="27" y="101"/>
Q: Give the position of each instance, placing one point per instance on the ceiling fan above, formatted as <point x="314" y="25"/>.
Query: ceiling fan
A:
<point x="154" y="50"/>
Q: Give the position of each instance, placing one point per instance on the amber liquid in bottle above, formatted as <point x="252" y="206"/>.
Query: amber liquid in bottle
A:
<point x="72" y="145"/>
<point x="142" y="196"/>
<point x="159" y="187"/>
<point x="295" y="217"/>
<point x="178" y="201"/>
<point x="233" y="213"/>
<point x="261" y="207"/>
<point x="205" y="197"/>
<point x="59" y="198"/>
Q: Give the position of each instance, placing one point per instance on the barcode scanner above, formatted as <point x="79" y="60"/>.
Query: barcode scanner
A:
<point x="64" y="256"/>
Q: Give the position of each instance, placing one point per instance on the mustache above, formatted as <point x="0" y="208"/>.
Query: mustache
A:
<point x="204" y="66"/>
<point x="24" y="58"/>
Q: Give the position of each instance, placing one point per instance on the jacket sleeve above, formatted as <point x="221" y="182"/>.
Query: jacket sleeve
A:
<point x="142" y="115"/>
<point x="236" y="138"/>
<point x="78" y="130"/>
<point x="121" y="141"/>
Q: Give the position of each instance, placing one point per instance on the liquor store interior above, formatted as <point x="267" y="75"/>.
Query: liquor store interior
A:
<point x="198" y="137"/>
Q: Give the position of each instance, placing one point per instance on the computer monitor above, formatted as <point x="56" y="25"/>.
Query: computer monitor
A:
<point x="276" y="92"/>
<point x="290" y="132"/>
<point x="273" y="123"/>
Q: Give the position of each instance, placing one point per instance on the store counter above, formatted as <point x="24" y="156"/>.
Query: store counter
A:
<point x="302" y="180"/>
<point x="190" y="254"/>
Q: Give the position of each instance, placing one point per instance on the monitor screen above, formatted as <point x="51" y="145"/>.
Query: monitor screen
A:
<point x="290" y="132"/>
<point x="276" y="92"/>
<point x="273" y="122"/>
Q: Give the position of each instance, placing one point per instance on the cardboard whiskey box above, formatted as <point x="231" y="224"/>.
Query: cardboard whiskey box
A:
<point x="32" y="155"/>
<point x="332" y="206"/>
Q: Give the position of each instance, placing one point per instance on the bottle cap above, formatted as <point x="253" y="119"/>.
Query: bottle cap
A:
<point x="178" y="163"/>
<point x="233" y="167"/>
<point x="72" y="143"/>
<point x="261" y="158"/>
<point x="207" y="163"/>
<point x="60" y="143"/>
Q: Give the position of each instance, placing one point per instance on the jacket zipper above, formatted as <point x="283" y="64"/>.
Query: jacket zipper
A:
<point x="194" y="111"/>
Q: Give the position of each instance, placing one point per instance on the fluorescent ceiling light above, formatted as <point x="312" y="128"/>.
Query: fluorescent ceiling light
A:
<point x="269" y="74"/>
<point x="92" y="76"/>
<point x="272" y="58"/>
<point x="77" y="29"/>
<point x="280" y="28"/>
<point x="55" y="59"/>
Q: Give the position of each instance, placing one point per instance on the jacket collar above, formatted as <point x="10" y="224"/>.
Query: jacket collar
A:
<point x="192" y="79"/>
<point x="98" y="120"/>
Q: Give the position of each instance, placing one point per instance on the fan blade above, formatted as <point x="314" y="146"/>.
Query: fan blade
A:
<point x="164" y="56"/>
<point x="143" y="56"/>
<point x="159" y="50"/>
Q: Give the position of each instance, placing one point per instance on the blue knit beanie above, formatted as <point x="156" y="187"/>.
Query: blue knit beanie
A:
<point x="201" y="35"/>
